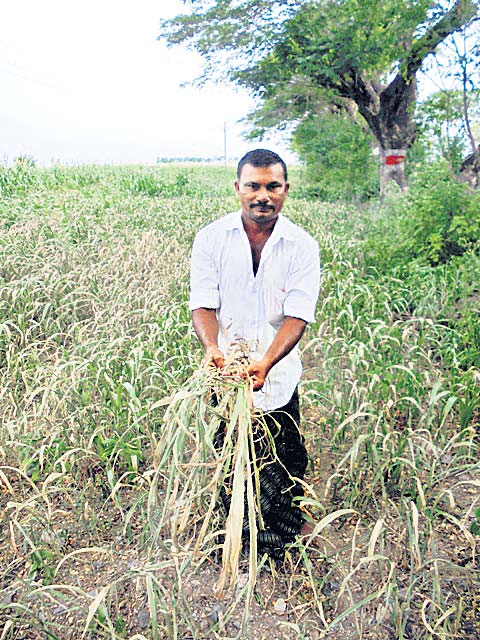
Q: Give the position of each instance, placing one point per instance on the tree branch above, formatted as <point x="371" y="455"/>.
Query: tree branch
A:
<point x="460" y="14"/>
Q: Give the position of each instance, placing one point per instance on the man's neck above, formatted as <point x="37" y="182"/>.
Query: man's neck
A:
<point x="256" y="229"/>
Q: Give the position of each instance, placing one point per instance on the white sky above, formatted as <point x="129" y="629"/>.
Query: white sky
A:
<point x="88" y="81"/>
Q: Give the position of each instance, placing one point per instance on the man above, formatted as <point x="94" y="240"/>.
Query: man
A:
<point x="255" y="277"/>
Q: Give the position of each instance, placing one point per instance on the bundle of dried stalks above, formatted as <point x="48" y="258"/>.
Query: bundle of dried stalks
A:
<point x="193" y="463"/>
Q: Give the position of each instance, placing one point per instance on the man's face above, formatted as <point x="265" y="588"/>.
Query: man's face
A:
<point x="262" y="192"/>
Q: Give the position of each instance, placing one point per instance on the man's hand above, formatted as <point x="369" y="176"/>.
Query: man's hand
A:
<point x="206" y="327"/>
<point x="214" y="357"/>
<point x="287" y="337"/>
<point x="258" y="372"/>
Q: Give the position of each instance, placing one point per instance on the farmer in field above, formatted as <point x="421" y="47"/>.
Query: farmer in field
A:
<point x="255" y="277"/>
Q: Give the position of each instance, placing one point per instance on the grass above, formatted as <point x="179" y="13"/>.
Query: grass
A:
<point x="101" y="536"/>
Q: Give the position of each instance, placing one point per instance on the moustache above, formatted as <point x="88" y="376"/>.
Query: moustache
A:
<point x="264" y="207"/>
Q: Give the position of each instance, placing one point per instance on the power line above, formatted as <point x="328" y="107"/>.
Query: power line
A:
<point x="27" y="74"/>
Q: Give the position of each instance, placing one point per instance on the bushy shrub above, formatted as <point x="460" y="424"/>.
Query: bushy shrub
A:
<point x="338" y="157"/>
<point x="440" y="217"/>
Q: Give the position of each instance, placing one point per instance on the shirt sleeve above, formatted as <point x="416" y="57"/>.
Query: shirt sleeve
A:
<point x="204" y="280"/>
<point x="303" y="283"/>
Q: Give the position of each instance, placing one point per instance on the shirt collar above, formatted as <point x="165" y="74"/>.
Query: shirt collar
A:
<point x="280" y="230"/>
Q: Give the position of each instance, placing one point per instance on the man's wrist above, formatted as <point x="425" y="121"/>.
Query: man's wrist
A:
<point x="266" y="364"/>
<point x="213" y="355"/>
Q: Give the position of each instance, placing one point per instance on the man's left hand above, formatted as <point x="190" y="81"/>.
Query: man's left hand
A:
<point x="258" y="372"/>
<point x="287" y="337"/>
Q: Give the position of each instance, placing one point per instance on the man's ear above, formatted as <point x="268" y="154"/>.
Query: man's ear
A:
<point x="287" y="187"/>
<point x="237" y="186"/>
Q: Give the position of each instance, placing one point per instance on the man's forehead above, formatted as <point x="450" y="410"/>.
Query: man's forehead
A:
<point x="271" y="173"/>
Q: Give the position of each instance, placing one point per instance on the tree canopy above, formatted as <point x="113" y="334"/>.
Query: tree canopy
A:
<point x="297" y="56"/>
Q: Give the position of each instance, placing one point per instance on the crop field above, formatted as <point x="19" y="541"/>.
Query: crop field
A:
<point x="97" y="362"/>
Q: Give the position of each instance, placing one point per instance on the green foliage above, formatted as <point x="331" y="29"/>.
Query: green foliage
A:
<point x="438" y="219"/>
<point x="151" y="185"/>
<point x="338" y="156"/>
<point x="442" y="125"/>
<point x="327" y="38"/>
<point x="72" y="177"/>
<point x="334" y="41"/>
<point x="96" y="336"/>
<point x="41" y="565"/>
<point x="38" y="457"/>
<point x="214" y="28"/>
<point x="19" y="178"/>
<point x="296" y="55"/>
<point x="125" y="453"/>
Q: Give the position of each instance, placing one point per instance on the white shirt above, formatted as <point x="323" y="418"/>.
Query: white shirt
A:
<point x="253" y="307"/>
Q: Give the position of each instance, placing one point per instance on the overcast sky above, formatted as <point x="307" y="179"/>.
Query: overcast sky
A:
<point x="89" y="82"/>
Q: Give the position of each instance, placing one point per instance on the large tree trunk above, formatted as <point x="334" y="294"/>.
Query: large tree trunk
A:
<point x="392" y="167"/>
<point x="388" y="111"/>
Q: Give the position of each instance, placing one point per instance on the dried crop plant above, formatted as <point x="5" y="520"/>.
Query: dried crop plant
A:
<point x="208" y="442"/>
<point x="95" y="328"/>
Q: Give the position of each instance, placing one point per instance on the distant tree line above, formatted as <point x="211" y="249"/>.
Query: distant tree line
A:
<point x="163" y="160"/>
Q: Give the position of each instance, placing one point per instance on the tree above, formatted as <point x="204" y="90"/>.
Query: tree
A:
<point x="450" y="118"/>
<point x="444" y="122"/>
<point x="468" y="59"/>
<point x="358" y="55"/>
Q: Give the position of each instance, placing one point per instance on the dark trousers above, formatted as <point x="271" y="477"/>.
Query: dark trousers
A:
<point x="287" y="457"/>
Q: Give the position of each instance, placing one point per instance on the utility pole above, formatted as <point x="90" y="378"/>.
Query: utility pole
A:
<point x="225" y="143"/>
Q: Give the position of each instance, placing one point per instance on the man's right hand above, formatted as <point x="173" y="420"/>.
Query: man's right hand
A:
<point x="214" y="357"/>
<point x="205" y="324"/>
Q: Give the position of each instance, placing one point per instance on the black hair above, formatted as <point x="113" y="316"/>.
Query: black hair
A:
<point x="261" y="158"/>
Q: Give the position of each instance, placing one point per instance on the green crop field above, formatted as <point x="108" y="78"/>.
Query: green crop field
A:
<point x="96" y="344"/>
